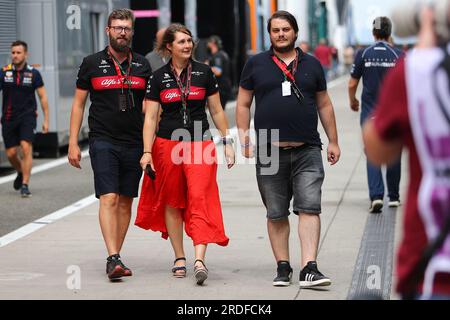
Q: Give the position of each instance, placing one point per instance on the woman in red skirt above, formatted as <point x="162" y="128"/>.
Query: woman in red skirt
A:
<point x="183" y="155"/>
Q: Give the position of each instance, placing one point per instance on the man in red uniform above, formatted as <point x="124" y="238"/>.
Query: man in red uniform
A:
<point x="413" y="111"/>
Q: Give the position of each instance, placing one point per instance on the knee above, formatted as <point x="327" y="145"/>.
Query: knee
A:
<point x="26" y="148"/>
<point x="109" y="200"/>
<point x="11" y="153"/>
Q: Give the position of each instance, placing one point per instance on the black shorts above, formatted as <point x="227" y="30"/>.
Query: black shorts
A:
<point x="116" y="168"/>
<point x="22" y="129"/>
<point x="292" y="173"/>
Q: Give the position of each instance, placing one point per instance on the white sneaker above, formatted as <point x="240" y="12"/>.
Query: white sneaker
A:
<point x="394" y="204"/>
<point x="376" y="206"/>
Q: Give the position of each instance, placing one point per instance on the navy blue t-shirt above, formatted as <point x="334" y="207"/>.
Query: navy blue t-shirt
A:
<point x="296" y="121"/>
<point x="19" y="88"/>
<point x="372" y="64"/>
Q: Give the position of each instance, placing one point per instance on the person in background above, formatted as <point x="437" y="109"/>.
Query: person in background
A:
<point x="156" y="58"/>
<point x="19" y="81"/>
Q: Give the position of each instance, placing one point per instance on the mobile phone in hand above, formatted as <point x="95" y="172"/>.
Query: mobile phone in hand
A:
<point x="150" y="173"/>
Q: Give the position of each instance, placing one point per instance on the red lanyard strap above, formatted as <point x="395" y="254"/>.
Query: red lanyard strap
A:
<point x="184" y="90"/>
<point x="121" y="74"/>
<point x="283" y="66"/>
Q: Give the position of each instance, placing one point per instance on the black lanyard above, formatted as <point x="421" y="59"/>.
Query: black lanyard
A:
<point x="184" y="91"/>
<point x="121" y="74"/>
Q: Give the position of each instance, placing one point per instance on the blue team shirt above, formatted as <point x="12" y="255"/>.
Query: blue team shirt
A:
<point x="372" y="64"/>
<point x="19" y="88"/>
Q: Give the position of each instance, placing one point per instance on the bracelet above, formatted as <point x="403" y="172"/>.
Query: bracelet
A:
<point x="147" y="152"/>
<point x="246" y="145"/>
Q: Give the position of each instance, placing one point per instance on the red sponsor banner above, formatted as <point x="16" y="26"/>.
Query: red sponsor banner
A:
<point x="115" y="82"/>
<point x="173" y="95"/>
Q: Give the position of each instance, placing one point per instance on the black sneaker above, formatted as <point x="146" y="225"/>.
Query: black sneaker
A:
<point x="24" y="191"/>
<point x="114" y="267"/>
<point x="284" y="274"/>
<point x="18" y="181"/>
<point x="376" y="206"/>
<point x="310" y="276"/>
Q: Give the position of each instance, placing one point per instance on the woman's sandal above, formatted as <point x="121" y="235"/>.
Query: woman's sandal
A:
<point x="200" y="273"/>
<point x="179" y="272"/>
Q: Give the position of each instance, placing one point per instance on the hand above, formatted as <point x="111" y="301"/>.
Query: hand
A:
<point x="354" y="105"/>
<point x="334" y="153"/>
<point x="74" y="156"/>
<point x="248" y="151"/>
<point x="147" y="159"/>
<point x="45" y="127"/>
<point x="229" y="155"/>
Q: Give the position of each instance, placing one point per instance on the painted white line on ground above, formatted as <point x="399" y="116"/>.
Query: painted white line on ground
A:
<point x="44" y="167"/>
<point x="42" y="222"/>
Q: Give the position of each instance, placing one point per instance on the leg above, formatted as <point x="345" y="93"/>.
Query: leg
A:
<point x="124" y="217"/>
<point x="200" y="270"/>
<point x="27" y="161"/>
<point x="309" y="234"/>
<point x="279" y="238"/>
<point x="375" y="180"/>
<point x="174" y="225"/>
<point x="109" y="222"/>
<point x="14" y="159"/>
<point x="393" y="180"/>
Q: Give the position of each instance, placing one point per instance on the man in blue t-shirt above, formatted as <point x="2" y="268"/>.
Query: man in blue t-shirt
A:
<point x="291" y="95"/>
<point x="19" y="81"/>
<point x="371" y="64"/>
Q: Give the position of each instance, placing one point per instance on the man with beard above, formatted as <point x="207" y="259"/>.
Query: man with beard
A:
<point x="116" y="80"/>
<point x="291" y="93"/>
<point x="19" y="82"/>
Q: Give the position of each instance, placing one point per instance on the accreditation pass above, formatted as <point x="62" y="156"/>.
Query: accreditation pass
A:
<point x="286" y="88"/>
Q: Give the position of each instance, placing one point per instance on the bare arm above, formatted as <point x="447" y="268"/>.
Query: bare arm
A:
<point x="149" y="131"/>
<point x="42" y="93"/>
<point x="220" y="121"/>
<point x="328" y="120"/>
<point x="76" y="119"/>
<point x="379" y="151"/>
<point x="352" y="88"/>
<point x="244" y="104"/>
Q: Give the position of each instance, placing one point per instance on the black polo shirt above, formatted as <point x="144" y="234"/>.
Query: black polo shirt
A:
<point x="163" y="88"/>
<point x="296" y="121"/>
<point x="19" y="88"/>
<point x="106" y="119"/>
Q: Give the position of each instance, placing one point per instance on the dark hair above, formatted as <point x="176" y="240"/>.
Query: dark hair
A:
<point x="382" y="28"/>
<point x="121" y="14"/>
<point x="169" y="35"/>
<point x="285" y="16"/>
<point x="20" y="43"/>
<point x="217" y="41"/>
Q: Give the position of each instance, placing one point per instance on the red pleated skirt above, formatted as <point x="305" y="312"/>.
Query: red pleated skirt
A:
<point x="186" y="175"/>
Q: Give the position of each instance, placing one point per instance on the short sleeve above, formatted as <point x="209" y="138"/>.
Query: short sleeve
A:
<point x="321" y="82"/>
<point x="83" y="79"/>
<point x="358" y="66"/>
<point x="37" y="80"/>
<point x="217" y="62"/>
<point x="391" y="117"/>
<point x="247" y="76"/>
<point x="153" y="90"/>
<point x="212" y="87"/>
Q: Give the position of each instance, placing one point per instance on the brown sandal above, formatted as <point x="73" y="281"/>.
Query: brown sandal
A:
<point x="200" y="273"/>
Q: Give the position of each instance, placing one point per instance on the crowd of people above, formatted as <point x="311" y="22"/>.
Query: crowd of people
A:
<point x="148" y="115"/>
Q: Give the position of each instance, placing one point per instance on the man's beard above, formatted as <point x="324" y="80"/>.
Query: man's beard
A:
<point x="119" y="47"/>
<point x="285" y="49"/>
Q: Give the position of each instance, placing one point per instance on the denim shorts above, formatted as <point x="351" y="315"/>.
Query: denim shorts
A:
<point x="116" y="168"/>
<point x="296" y="173"/>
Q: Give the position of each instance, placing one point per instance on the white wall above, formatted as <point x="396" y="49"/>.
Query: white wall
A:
<point x="299" y="8"/>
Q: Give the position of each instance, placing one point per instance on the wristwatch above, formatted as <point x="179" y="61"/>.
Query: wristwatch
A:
<point x="227" y="140"/>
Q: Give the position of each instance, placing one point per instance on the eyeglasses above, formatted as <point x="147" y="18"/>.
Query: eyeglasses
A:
<point x="120" y="29"/>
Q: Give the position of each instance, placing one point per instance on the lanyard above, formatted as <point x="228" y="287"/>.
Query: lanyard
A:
<point x="184" y="90"/>
<point x="121" y="74"/>
<point x="283" y="66"/>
